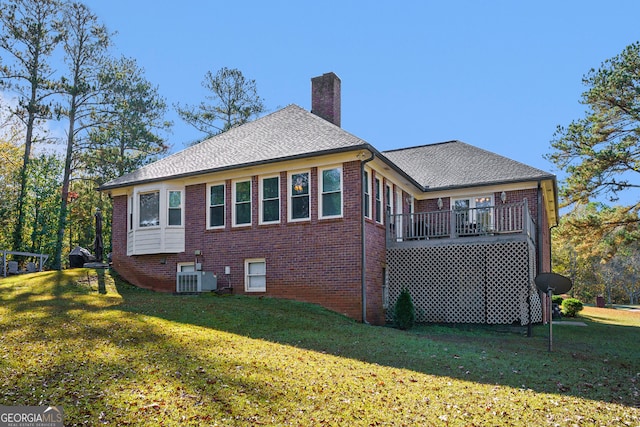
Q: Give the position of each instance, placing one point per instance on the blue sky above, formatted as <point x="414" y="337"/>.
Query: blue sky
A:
<point x="500" y="75"/>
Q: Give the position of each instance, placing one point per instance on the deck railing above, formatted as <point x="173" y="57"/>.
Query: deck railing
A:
<point x="490" y="220"/>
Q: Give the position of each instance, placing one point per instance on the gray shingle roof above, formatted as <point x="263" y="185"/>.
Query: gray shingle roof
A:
<point x="293" y="132"/>
<point x="455" y="164"/>
<point x="285" y="134"/>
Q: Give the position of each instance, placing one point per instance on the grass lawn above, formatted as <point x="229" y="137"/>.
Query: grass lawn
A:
<point x="112" y="354"/>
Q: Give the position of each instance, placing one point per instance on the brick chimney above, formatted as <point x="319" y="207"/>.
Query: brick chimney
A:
<point x="325" y="97"/>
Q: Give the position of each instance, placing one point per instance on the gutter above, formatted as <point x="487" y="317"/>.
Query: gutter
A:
<point x="113" y="184"/>
<point x="363" y="269"/>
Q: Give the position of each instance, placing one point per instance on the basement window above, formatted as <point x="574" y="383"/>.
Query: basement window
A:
<point x="255" y="275"/>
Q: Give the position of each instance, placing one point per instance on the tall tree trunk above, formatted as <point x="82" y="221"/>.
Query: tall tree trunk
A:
<point x="19" y="228"/>
<point x="62" y="217"/>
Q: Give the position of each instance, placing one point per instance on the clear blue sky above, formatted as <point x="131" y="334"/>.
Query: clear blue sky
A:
<point x="500" y="75"/>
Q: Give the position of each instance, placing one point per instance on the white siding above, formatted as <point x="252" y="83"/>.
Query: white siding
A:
<point x="156" y="239"/>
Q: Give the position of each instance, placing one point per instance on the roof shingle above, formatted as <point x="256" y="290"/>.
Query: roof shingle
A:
<point x="455" y="164"/>
<point x="287" y="133"/>
<point x="293" y="132"/>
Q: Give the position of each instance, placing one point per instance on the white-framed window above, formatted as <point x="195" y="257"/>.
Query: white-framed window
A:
<point x="270" y="200"/>
<point x="131" y="204"/>
<point x="149" y="203"/>
<point x="399" y="212"/>
<point x="330" y="190"/>
<point x="216" y="213"/>
<point x="255" y="275"/>
<point x="174" y="214"/>
<point x="378" y="193"/>
<point x="242" y="203"/>
<point x="367" y="194"/>
<point x="186" y="267"/>
<point x="299" y="200"/>
<point x="388" y="200"/>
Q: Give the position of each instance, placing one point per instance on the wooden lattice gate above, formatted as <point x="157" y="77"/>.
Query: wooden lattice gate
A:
<point x="477" y="282"/>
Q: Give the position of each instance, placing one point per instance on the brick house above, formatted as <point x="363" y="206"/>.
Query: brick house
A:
<point x="292" y="206"/>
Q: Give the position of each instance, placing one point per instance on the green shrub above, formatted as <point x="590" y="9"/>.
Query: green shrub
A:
<point x="571" y="307"/>
<point x="557" y="299"/>
<point x="404" y="313"/>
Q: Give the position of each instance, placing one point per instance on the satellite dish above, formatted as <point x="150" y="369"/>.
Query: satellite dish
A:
<point x="556" y="283"/>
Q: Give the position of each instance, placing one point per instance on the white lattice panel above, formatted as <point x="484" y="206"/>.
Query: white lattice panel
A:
<point x="536" y="303"/>
<point x="469" y="283"/>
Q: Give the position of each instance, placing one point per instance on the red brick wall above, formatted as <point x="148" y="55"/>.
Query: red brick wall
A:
<point x="315" y="261"/>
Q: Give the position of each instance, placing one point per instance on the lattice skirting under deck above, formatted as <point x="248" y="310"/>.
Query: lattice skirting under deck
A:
<point x="469" y="283"/>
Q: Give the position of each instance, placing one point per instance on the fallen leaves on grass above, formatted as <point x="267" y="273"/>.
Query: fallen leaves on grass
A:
<point x="132" y="357"/>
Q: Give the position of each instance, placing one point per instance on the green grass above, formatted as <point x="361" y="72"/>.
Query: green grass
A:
<point x="112" y="354"/>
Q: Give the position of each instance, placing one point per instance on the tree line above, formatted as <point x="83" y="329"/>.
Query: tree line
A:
<point x="57" y="69"/>
<point x="597" y="243"/>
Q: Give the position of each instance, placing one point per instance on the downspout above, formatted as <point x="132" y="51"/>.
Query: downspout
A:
<point x="539" y="208"/>
<point x="551" y="248"/>
<point x="363" y="249"/>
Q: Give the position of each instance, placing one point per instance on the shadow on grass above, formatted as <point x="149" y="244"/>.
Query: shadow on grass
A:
<point x="132" y="357"/>
<point x="597" y="362"/>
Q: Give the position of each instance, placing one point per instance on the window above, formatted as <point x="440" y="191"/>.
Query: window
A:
<point x="473" y="214"/>
<point x="378" y="191"/>
<point x="186" y="267"/>
<point x="270" y="200"/>
<point x="299" y="191"/>
<point x="388" y="200"/>
<point x="367" y="196"/>
<point x="331" y="193"/>
<point x="242" y="203"/>
<point x="131" y="213"/>
<point x="255" y="271"/>
<point x="175" y="208"/>
<point x="149" y="209"/>
<point x="216" y="206"/>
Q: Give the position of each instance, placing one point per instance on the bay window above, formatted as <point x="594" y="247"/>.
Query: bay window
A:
<point x="156" y="219"/>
